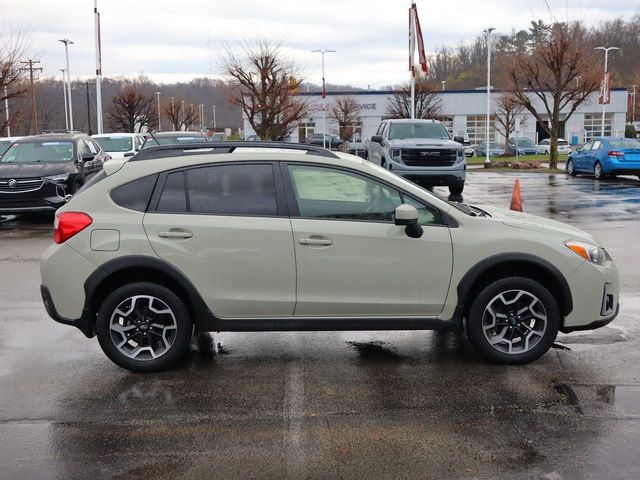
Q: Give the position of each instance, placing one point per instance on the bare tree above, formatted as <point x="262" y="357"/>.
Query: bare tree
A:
<point x="428" y="102"/>
<point x="345" y="111"/>
<point x="264" y="85"/>
<point x="508" y="108"/>
<point x="557" y="77"/>
<point x="131" y="110"/>
<point x="14" y="45"/>
<point x="181" y="115"/>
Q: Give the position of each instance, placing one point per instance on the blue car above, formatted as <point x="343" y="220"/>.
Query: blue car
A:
<point x="495" y="149"/>
<point x="606" y="156"/>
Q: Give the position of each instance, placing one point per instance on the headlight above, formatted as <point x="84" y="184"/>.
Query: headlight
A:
<point x="396" y="152"/>
<point x="63" y="177"/>
<point x="461" y="152"/>
<point x="589" y="252"/>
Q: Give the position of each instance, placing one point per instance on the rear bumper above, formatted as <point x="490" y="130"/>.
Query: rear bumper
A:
<point x="623" y="171"/>
<point x="84" y="323"/>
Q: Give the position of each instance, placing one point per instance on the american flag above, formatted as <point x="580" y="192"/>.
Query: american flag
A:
<point x="415" y="32"/>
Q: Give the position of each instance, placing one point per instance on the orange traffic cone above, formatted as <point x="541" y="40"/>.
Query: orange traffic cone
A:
<point x="516" y="198"/>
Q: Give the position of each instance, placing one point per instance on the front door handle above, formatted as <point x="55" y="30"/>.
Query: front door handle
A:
<point x="316" y="241"/>
<point x="175" y="234"/>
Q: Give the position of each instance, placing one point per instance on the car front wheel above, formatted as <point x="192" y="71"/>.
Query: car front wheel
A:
<point x="571" y="168"/>
<point x="597" y="171"/>
<point x="456" y="189"/>
<point x="513" y="321"/>
<point x="143" y="327"/>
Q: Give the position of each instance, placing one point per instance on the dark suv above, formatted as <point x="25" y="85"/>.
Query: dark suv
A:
<point x="37" y="172"/>
<point x="331" y="142"/>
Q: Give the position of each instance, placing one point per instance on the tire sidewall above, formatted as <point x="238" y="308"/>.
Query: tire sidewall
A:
<point x="571" y="171"/>
<point x="595" y="171"/>
<point x="178" y="348"/>
<point x="474" y="322"/>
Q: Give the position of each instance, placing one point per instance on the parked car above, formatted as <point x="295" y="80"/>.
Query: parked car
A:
<point x="469" y="149"/>
<point x="495" y="149"/>
<point x="120" y="145"/>
<point x="606" y="156"/>
<point x="6" y="142"/>
<point x="177" y="239"/>
<point x="174" y="138"/>
<point x="525" y="147"/>
<point x="357" y="148"/>
<point x="421" y="151"/>
<point x="38" y="172"/>
<point x="253" y="138"/>
<point x="544" y="147"/>
<point x="330" y="141"/>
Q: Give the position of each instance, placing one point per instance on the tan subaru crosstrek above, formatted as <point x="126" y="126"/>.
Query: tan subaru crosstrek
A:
<point x="182" y="239"/>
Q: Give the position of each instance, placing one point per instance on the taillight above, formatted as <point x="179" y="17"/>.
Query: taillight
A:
<point x="67" y="224"/>
<point x="616" y="154"/>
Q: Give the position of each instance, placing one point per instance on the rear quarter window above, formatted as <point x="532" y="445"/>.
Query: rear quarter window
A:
<point x="135" y="195"/>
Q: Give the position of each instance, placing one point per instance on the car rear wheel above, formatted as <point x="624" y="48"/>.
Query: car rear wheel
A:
<point x="597" y="171"/>
<point x="513" y="321"/>
<point x="571" y="168"/>
<point x="143" y="327"/>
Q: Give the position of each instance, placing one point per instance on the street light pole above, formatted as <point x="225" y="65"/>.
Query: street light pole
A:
<point x="6" y="111"/>
<point x="64" y="91"/>
<point x="605" y="86"/>
<point x="68" y="42"/>
<point x="159" y="122"/>
<point x="322" y="51"/>
<point x="633" y="114"/>
<point x="98" y="42"/>
<point x="214" y="117"/>
<point x="487" y="32"/>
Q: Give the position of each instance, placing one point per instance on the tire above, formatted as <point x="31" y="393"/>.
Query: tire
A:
<point x="134" y="302"/>
<point x="528" y="346"/>
<point x="597" y="171"/>
<point x="571" y="170"/>
<point x="456" y="189"/>
<point x="383" y="162"/>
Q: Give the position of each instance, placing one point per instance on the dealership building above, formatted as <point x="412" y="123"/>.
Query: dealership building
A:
<point x="464" y="112"/>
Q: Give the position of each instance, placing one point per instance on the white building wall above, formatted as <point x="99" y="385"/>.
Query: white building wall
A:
<point x="459" y="104"/>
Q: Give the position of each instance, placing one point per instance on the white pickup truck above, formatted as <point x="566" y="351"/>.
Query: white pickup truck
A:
<point x="421" y="151"/>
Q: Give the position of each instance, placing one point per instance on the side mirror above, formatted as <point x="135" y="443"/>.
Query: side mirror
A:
<point x="87" y="157"/>
<point x="458" y="139"/>
<point x="408" y="216"/>
<point x="377" y="139"/>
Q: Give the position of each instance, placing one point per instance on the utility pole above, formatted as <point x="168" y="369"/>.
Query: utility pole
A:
<point x="68" y="42"/>
<point x="34" y="109"/>
<point x="633" y="94"/>
<point x="159" y="122"/>
<point x="322" y="51"/>
<point x="64" y="92"/>
<point x="488" y="31"/>
<point x="6" y="111"/>
<point x="88" y="108"/>
<point x="214" y="117"/>
<point x="98" y="68"/>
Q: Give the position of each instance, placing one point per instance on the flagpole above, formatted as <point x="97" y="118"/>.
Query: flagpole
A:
<point x="99" y="126"/>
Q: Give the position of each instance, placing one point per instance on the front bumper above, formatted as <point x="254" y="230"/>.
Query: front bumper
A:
<point x="595" y="291"/>
<point x="443" y="176"/>
<point x="48" y="198"/>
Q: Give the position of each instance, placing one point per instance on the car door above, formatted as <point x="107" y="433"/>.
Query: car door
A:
<point x="352" y="260"/>
<point x="225" y="227"/>
<point x="581" y="159"/>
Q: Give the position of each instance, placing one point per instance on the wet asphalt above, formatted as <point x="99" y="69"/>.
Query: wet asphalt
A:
<point x="330" y="405"/>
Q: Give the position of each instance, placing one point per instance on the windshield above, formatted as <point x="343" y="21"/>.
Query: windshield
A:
<point x="4" y="146"/>
<point x="436" y="131"/>
<point x="625" y="143"/>
<point x="172" y="140"/>
<point x="115" y="144"/>
<point x="38" y="152"/>
<point x="495" y="145"/>
<point x="563" y="142"/>
<point x="525" y="143"/>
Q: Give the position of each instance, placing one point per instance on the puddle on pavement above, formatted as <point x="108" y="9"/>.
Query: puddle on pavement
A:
<point x="374" y="351"/>
<point x="602" y="399"/>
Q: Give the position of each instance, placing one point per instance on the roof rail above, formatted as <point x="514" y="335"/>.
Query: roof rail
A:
<point x="207" y="148"/>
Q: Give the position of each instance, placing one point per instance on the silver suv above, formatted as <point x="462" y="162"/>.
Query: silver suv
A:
<point x="421" y="151"/>
<point x="256" y="237"/>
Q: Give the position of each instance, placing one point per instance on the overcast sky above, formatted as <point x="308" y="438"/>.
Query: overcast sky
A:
<point x="179" y="40"/>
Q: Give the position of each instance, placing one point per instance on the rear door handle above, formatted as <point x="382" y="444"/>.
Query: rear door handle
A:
<point x="175" y="234"/>
<point x="316" y="241"/>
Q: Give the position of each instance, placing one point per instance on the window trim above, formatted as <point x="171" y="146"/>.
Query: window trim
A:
<point x="294" y="210"/>
<point x="281" y="205"/>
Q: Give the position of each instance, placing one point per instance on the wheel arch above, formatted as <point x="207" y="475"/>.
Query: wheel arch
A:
<point x="514" y="264"/>
<point x="134" y="268"/>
